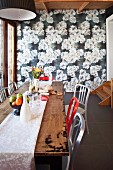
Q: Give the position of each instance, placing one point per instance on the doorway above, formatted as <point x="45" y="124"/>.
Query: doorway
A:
<point x="109" y="47"/>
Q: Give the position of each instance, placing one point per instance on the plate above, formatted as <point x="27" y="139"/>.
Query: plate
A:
<point x="42" y="91"/>
<point x="45" y="94"/>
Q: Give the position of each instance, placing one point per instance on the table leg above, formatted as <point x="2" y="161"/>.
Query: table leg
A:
<point x="55" y="162"/>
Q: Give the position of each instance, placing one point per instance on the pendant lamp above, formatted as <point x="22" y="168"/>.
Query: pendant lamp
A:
<point x="18" y="10"/>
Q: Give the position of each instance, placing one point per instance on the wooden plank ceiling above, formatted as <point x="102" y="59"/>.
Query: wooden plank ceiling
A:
<point x="79" y="5"/>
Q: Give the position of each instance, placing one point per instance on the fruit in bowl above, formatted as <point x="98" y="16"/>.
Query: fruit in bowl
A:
<point x="16" y="100"/>
<point x="16" y="103"/>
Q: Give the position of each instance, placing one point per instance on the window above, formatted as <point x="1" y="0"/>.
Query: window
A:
<point x="10" y="52"/>
<point x="1" y="52"/>
<point x="7" y="53"/>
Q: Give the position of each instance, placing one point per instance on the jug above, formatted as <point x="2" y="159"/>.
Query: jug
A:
<point x="25" y="112"/>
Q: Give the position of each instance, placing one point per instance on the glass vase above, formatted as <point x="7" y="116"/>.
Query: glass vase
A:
<point x="36" y="84"/>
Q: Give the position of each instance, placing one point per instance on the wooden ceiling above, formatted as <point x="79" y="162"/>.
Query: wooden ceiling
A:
<point x="79" y="5"/>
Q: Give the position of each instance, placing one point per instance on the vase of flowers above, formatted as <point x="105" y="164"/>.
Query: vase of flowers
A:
<point x="36" y="73"/>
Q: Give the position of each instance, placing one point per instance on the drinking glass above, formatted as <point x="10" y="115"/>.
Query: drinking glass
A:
<point x="31" y="87"/>
<point x="39" y="99"/>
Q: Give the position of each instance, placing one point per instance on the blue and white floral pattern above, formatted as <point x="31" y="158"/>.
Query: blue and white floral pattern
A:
<point x="69" y="44"/>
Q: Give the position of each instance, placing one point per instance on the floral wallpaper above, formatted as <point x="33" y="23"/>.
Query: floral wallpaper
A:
<point x="71" y="45"/>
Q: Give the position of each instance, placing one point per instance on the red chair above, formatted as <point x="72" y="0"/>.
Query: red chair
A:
<point x="72" y="109"/>
<point x="45" y="78"/>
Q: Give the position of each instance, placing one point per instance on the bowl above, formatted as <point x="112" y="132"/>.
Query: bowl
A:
<point x="16" y="109"/>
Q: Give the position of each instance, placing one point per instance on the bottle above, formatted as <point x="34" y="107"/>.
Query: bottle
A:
<point x="25" y="112"/>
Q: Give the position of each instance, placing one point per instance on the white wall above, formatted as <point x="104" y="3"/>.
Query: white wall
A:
<point x="109" y="46"/>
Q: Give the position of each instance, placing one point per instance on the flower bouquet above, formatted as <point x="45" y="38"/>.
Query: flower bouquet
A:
<point x="36" y="72"/>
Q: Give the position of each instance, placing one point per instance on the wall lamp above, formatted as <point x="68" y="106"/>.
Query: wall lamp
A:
<point x="18" y="10"/>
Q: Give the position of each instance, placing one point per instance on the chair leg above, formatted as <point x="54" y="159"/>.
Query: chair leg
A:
<point x="86" y="122"/>
<point x="68" y="161"/>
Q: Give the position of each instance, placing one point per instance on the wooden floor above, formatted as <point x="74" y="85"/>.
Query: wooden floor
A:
<point x="96" y="149"/>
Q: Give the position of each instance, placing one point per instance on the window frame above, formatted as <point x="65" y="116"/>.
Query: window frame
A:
<point x="5" y="57"/>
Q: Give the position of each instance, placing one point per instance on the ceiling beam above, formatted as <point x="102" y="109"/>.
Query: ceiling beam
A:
<point x="72" y="1"/>
<point x="44" y="4"/>
<point x="109" y="5"/>
<point x="84" y="4"/>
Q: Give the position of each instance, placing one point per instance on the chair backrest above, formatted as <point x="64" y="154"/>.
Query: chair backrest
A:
<point x="72" y="109"/>
<point x="12" y="87"/>
<point x="75" y="137"/>
<point x="82" y="93"/>
<point x="3" y="94"/>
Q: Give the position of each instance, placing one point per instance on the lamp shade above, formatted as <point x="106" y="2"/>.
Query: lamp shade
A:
<point x="19" y="10"/>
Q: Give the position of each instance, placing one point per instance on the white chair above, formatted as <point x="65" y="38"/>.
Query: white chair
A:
<point x="82" y="93"/>
<point x="3" y="94"/>
<point x="12" y="87"/>
<point x="75" y="137"/>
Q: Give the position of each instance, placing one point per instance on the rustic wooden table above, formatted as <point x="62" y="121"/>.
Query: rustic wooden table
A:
<point x="51" y="143"/>
<point x="52" y="139"/>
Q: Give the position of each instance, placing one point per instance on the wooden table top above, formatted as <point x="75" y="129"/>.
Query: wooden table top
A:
<point x="52" y="139"/>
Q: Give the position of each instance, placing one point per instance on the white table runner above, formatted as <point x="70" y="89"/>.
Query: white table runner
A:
<point x="18" y="140"/>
